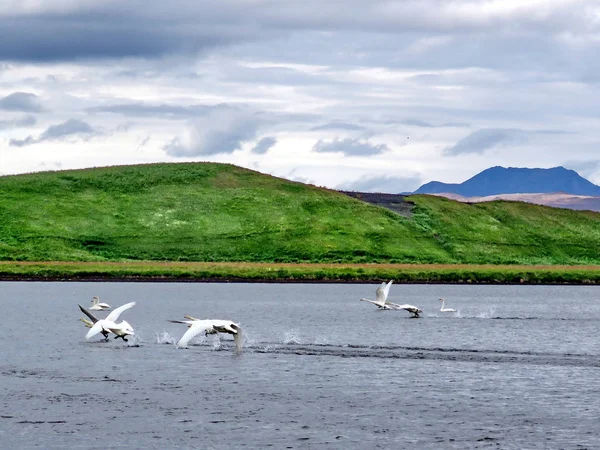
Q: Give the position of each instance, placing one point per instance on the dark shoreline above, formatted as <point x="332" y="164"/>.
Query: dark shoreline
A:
<point x="142" y="279"/>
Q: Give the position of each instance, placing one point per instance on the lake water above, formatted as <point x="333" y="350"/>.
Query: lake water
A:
<point x="515" y="367"/>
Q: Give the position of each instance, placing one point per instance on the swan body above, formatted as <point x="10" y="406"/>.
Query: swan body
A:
<point x="414" y="310"/>
<point x="381" y="301"/>
<point x="110" y="325"/>
<point x="442" y="309"/>
<point x="209" y="326"/>
<point x="97" y="306"/>
<point x="381" y="295"/>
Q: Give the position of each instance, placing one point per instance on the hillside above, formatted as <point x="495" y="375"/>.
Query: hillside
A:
<point x="219" y="212"/>
<point x="512" y="180"/>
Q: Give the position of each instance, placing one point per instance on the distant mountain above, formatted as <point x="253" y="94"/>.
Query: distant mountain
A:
<point x="512" y="180"/>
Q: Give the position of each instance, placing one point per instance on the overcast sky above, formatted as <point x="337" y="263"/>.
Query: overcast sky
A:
<point x="365" y="95"/>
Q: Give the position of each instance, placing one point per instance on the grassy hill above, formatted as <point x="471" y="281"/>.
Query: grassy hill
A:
<point x="219" y="212"/>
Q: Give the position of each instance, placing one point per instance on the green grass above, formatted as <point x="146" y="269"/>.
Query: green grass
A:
<point x="291" y="272"/>
<point x="217" y="212"/>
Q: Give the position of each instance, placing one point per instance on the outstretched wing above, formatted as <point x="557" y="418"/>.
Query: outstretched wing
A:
<point x="93" y="318"/>
<point x="382" y="292"/>
<point x="195" y="329"/>
<point x="114" y="315"/>
<point x="97" y="328"/>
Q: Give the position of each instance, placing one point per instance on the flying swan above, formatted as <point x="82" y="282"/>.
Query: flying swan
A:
<point x="97" y="306"/>
<point x="382" y="303"/>
<point x="442" y="309"/>
<point x="91" y="321"/>
<point x="110" y="324"/>
<point x="209" y="326"/>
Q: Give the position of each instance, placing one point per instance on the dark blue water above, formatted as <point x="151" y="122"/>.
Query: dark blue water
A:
<point x="515" y="367"/>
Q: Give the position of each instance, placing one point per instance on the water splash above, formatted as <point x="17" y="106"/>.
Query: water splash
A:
<point x="216" y="343"/>
<point x="134" y="341"/>
<point x="165" y="338"/>
<point x="486" y="314"/>
<point x="291" y="337"/>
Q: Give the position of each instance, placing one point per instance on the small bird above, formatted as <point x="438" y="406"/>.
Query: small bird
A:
<point x="97" y="306"/>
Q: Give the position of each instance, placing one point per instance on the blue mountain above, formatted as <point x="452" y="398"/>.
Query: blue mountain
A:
<point x="512" y="180"/>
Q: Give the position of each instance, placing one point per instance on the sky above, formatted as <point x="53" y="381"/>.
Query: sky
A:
<point x="375" y="95"/>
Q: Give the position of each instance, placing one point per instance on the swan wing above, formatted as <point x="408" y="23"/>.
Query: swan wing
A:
<point x="97" y="328"/>
<point x="382" y="292"/>
<point x="93" y="318"/>
<point x="197" y="327"/>
<point x="114" y="315"/>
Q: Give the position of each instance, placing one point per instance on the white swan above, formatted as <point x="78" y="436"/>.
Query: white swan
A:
<point x="91" y="321"/>
<point x="97" y="306"/>
<point x="382" y="303"/>
<point x="210" y="326"/>
<point x="381" y="295"/>
<point x="110" y="324"/>
<point x="442" y="309"/>
<point x="415" y="311"/>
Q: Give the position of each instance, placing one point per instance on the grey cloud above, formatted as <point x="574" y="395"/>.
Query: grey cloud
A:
<point x="221" y="131"/>
<point x="416" y="123"/>
<point x="165" y="111"/>
<point x="348" y="146"/>
<point x="338" y="126"/>
<point x="56" y="132"/>
<point x="29" y="140"/>
<point x="583" y="168"/>
<point x="391" y="185"/>
<point x="481" y="140"/>
<point x="138" y="28"/>
<point x="21" y="101"/>
<point x="264" y="145"/>
<point x="26" y="121"/>
<point x="70" y="127"/>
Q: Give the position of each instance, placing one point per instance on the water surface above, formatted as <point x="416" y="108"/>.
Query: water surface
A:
<point x="515" y="367"/>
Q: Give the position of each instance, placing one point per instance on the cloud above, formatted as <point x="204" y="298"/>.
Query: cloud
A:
<point x="392" y="185"/>
<point x="481" y="140"/>
<point x="264" y="145"/>
<point x="21" y="101"/>
<point x="25" y="121"/>
<point x="71" y="127"/>
<point x="165" y="111"/>
<point x="338" y="126"/>
<point x="416" y="123"/>
<point x="348" y="146"/>
<point x="221" y="131"/>
<point x="68" y="30"/>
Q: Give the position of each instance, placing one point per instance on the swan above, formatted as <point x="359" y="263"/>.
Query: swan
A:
<point x="442" y="309"/>
<point x="381" y="295"/>
<point x="209" y="326"/>
<point x="91" y="321"/>
<point x="97" y="306"/>
<point x="110" y="324"/>
<point x="382" y="303"/>
<point x="415" y="311"/>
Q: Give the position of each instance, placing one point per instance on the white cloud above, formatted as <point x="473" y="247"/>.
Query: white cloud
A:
<point x="334" y="92"/>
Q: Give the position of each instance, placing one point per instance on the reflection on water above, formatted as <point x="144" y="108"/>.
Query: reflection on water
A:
<point x="514" y="367"/>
